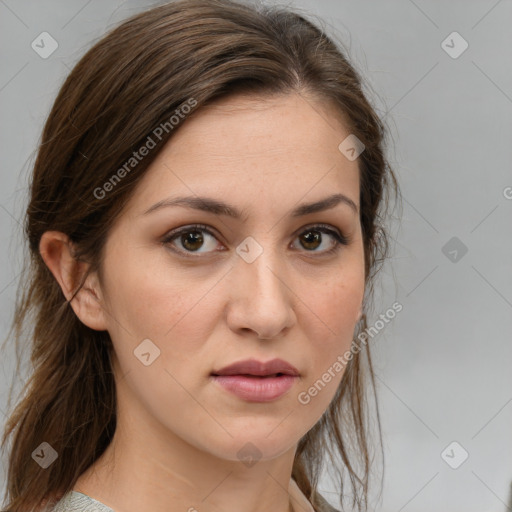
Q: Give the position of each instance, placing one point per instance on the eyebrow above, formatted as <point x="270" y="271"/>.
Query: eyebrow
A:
<point x="217" y="207"/>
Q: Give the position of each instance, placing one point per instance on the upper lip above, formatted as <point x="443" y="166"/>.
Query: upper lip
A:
<point x="258" y="368"/>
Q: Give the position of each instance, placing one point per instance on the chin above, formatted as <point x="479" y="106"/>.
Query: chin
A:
<point x="253" y="445"/>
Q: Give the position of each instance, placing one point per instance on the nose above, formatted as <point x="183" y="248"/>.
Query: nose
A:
<point x="261" y="297"/>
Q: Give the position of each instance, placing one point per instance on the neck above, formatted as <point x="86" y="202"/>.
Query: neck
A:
<point x="174" y="475"/>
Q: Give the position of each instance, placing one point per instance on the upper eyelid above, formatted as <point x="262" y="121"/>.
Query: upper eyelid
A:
<point x="211" y="230"/>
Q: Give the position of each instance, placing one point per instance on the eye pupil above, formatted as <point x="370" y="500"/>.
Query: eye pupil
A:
<point x="195" y="237"/>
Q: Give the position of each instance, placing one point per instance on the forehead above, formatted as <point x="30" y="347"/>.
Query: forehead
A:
<point x="273" y="148"/>
<point x="249" y="125"/>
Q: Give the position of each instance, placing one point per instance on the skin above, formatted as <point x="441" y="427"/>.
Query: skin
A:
<point x="178" y="432"/>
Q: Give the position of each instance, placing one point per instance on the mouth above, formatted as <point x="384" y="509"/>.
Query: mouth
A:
<point x="257" y="381"/>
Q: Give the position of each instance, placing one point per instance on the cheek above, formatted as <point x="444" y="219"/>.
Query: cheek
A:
<point x="173" y="309"/>
<point x="330" y="324"/>
<point x="336" y="305"/>
<point x="165" y="308"/>
<point x="343" y="302"/>
<point x="147" y="295"/>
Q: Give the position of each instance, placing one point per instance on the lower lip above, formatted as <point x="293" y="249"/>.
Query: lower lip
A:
<point x="256" y="389"/>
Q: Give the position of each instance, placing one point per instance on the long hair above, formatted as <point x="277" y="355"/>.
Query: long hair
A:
<point x="131" y="81"/>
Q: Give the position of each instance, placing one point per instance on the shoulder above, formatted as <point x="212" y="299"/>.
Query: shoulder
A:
<point x="322" y="505"/>
<point x="75" y="501"/>
<point x="316" y="503"/>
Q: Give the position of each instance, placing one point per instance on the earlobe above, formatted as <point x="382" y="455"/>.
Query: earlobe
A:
<point x="57" y="252"/>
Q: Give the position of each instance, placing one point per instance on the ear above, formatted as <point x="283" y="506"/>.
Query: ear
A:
<point x="57" y="252"/>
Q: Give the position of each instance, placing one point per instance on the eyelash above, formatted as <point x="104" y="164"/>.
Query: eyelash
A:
<point x="340" y="239"/>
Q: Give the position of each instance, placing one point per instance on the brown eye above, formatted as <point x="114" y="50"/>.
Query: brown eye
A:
<point x="191" y="239"/>
<point x="314" y="237"/>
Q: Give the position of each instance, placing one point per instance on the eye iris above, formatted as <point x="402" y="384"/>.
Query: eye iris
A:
<point x="192" y="236"/>
<point x="312" y="239"/>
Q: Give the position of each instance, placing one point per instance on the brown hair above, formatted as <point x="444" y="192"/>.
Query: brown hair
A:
<point x="128" y="83"/>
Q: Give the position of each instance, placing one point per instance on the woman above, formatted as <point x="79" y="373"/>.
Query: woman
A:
<point x="205" y="229"/>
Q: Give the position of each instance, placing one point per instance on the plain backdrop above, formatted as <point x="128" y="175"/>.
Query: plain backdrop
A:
<point x="441" y="78"/>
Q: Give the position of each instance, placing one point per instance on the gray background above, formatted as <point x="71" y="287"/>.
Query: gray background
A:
<point x="443" y="364"/>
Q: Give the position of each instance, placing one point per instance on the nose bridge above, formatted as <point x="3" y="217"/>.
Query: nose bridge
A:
<point x="263" y="263"/>
<point x="262" y="294"/>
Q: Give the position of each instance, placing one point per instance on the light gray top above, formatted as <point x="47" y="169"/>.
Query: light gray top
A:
<point x="75" y="501"/>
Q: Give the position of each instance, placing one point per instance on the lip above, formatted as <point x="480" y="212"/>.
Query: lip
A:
<point x="258" y="368"/>
<point x="256" y="381"/>
<point x="256" y="389"/>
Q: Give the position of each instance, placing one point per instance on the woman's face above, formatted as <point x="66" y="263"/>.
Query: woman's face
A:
<point x="266" y="285"/>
